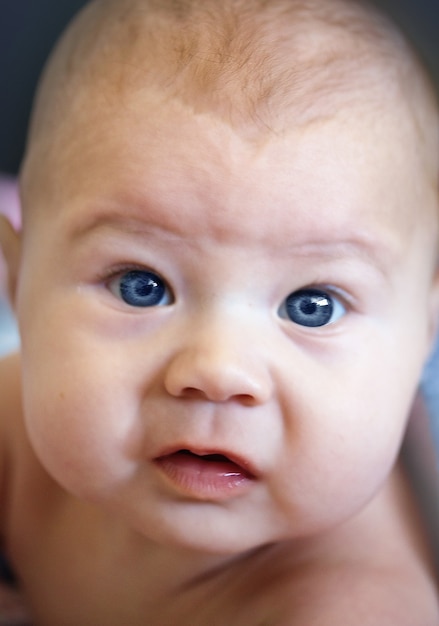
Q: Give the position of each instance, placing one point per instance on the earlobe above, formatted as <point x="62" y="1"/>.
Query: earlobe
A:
<point x="10" y="244"/>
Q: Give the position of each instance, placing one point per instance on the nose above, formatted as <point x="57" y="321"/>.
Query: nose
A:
<point x="219" y="367"/>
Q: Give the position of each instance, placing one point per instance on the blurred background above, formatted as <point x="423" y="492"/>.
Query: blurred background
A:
<point x="28" y="31"/>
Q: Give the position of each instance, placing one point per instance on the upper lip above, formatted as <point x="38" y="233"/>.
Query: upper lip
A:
<point x="239" y="460"/>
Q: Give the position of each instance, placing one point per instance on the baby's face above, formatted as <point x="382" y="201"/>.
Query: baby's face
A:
<point x="222" y="337"/>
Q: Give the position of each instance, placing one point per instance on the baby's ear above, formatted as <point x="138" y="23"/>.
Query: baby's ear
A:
<point x="10" y="243"/>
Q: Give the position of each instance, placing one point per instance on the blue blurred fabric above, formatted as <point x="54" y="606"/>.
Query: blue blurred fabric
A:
<point x="8" y="329"/>
<point x="430" y="388"/>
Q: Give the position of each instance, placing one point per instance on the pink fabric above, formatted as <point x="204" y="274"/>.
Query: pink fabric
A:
<point x="9" y="199"/>
<point x="9" y="206"/>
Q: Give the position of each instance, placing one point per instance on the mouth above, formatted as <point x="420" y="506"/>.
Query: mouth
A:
<point x="212" y="475"/>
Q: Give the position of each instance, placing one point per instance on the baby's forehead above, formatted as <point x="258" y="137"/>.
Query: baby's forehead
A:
<point x="262" y="67"/>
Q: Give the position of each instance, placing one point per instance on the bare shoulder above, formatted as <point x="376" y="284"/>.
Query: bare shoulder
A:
<point x="375" y="569"/>
<point x="10" y="394"/>
<point x="10" y="422"/>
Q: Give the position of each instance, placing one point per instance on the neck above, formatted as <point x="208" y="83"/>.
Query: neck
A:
<point x="178" y="570"/>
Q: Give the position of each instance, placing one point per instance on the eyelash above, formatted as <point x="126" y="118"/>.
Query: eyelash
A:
<point x="337" y="296"/>
<point x="121" y="269"/>
<point x="150" y="280"/>
<point x="314" y="307"/>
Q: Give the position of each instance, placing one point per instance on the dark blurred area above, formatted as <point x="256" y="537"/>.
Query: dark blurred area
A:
<point x="29" y="28"/>
<point x="419" y="19"/>
<point x="28" y="31"/>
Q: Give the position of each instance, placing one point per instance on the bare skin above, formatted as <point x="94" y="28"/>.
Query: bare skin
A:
<point x="112" y="512"/>
<point x="289" y="583"/>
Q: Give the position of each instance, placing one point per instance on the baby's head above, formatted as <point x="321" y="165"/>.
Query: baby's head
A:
<point x="226" y="285"/>
<point x="260" y="67"/>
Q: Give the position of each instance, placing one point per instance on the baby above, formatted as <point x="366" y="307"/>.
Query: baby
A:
<point x="226" y="287"/>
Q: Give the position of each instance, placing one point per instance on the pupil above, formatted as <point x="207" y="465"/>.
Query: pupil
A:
<point x="143" y="286"/>
<point x="308" y="307"/>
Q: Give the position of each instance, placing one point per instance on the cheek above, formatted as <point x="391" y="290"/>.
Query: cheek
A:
<point x="333" y="474"/>
<point x="343" y="436"/>
<point x="75" y="423"/>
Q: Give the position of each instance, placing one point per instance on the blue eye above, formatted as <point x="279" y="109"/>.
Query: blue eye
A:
<point x="313" y="308"/>
<point x="140" y="288"/>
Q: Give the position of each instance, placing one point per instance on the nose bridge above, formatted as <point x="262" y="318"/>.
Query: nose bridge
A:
<point x="220" y="358"/>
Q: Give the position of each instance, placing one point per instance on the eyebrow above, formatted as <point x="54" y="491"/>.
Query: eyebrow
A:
<point x="378" y="253"/>
<point x="129" y="224"/>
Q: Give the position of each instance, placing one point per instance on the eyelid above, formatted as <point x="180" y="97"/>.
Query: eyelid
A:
<point x="122" y="268"/>
<point x="336" y="292"/>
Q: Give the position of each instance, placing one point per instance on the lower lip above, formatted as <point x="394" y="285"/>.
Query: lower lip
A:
<point x="202" y="479"/>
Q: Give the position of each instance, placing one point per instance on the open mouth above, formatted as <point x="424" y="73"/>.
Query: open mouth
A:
<point x="217" y="462"/>
<point x="199" y="474"/>
<point x="210" y="458"/>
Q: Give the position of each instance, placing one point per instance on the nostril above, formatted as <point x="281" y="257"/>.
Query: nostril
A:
<point x="217" y="377"/>
<point x="246" y="399"/>
<point x="192" y="393"/>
